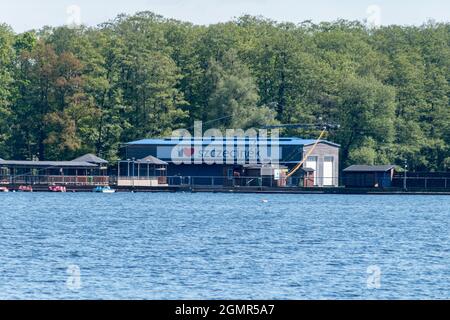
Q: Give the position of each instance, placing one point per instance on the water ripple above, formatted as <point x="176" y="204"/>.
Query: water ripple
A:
<point x="219" y="246"/>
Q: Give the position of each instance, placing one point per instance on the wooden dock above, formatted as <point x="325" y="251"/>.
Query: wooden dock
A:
<point x="243" y="190"/>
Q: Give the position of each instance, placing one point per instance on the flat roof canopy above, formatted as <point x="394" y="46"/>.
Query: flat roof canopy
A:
<point x="365" y="168"/>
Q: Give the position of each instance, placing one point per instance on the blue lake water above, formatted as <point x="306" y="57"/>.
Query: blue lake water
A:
<point x="223" y="246"/>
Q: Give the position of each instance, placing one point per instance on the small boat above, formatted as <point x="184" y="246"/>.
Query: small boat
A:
<point x="4" y="189"/>
<point x="104" y="190"/>
<point x="26" y="189"/>
<point x="57" y="189"/>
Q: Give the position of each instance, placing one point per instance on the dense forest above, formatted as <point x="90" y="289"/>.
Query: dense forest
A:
<point x="67" y="91"/>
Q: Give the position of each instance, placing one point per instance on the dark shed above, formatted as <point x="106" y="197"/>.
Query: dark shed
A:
<point x="363" y="176"/>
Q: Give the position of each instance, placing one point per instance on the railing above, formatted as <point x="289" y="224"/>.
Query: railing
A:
<point x="261" y="181"/>
<point x="55" y="180"/>
<point x="136" y="178"/>
<point x="427" y="183"/>
<point x="141" y="181"/>
<point x="398" y="182"/>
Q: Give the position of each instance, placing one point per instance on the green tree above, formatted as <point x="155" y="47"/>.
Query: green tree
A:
<point x="6" y="78"/>
<point x="149" y="77"/>
<point x="366" y="110"/>
<point x="234" y="97"/>
<point x="66" y="91"/>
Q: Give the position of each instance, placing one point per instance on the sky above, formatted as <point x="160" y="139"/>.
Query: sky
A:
<point x="24" y="15"/>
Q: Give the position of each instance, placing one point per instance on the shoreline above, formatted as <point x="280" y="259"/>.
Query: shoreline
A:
<point x="245" y="190"/>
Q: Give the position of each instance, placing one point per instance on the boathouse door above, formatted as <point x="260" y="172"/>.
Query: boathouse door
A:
<point x="312" y="164"/>
<point x="328" y="172"/>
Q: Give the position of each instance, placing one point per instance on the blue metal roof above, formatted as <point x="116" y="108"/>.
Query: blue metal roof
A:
<point x="282" y="141"/>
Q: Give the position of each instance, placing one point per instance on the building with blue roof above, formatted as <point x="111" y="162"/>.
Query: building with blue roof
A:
<point x="191" y="157"/>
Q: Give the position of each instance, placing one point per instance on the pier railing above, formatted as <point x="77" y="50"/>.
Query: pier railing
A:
<point x="426" y="183"/>
<point x="412" y="183"/>
<point x="55" y="180"/>
<point x="264" y="181"/>
<point x="398" y="182"/>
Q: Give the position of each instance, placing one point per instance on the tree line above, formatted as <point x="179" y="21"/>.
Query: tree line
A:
<point x="67" y="91"/>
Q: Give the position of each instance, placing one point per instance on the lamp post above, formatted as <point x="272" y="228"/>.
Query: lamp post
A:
<point x="133" y="159"/>
<point x="148" y="173"/>
<point x="128" y="168"/>
<point x="405" y="186"/>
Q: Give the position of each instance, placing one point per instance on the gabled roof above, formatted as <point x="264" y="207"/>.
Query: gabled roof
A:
<point x="47" y="164"/>
<point x="153" y="160"/>
<point x="91" y="158"/>
<point x="365" y="168"/>
<point x="207" y="141"/>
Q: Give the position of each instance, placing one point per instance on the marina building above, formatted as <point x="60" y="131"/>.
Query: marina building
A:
<point x="223" y="162"/>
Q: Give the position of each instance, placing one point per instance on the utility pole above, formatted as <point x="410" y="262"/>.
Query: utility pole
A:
<point x="405" y="186"/>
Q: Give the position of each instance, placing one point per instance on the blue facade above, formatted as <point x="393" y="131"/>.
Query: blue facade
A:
<point x="289" y="152"/>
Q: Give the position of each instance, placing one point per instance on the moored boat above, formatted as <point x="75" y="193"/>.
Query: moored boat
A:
<point x="26" y="189"/>
<point x="4" y="189"/>
<point x="106" y="189"/>
<point x="57" y="189"/>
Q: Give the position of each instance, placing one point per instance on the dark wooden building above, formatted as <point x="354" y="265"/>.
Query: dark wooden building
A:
<point x="363" y="176"/>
